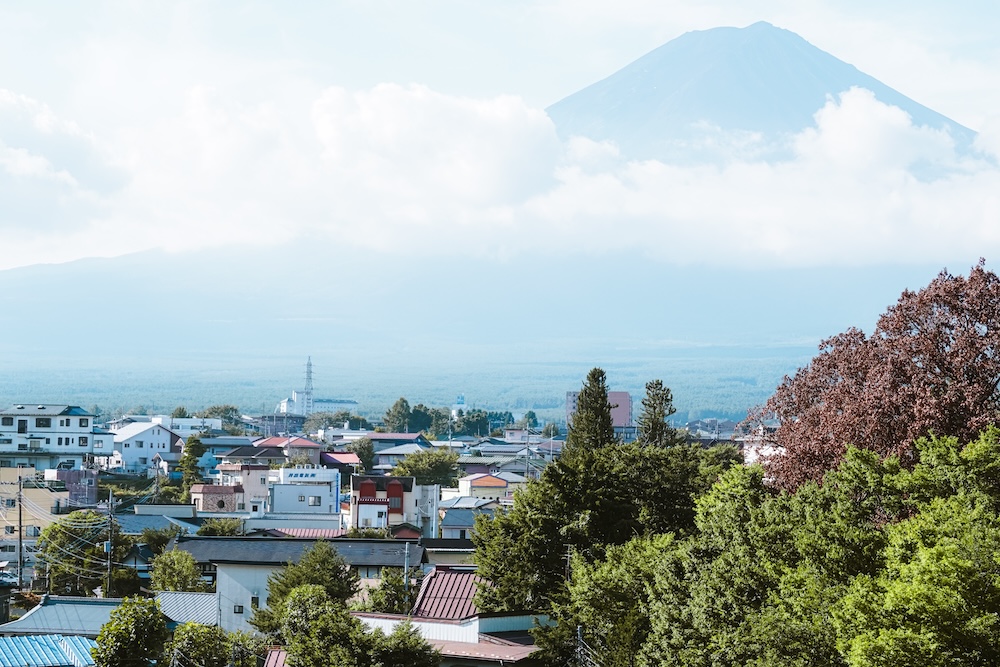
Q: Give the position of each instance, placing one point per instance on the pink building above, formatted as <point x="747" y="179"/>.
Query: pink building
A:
<point x="621" y="407"/>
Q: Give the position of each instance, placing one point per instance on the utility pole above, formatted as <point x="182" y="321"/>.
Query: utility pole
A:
<point x="406" y="570"/>
<point x="20" y="533"/>
<point x="108" y="546"/>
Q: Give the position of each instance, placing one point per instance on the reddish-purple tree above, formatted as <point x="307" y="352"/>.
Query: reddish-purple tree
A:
<point x="931" y="366"/>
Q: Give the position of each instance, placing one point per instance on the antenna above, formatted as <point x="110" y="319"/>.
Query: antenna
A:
<point x="307" y="406"/>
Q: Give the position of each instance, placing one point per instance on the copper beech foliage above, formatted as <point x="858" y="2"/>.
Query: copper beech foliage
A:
<point x="931" y="366"/>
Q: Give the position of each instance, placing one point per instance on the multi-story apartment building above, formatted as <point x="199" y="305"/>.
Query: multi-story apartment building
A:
<point x="50" y="436"/>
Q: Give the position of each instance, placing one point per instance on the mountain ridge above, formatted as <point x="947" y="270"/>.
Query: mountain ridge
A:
<point x="758" y="79"/>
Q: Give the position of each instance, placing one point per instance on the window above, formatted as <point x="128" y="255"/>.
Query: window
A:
<point x="237" y="609"/>
<point x="6" y="441"/>
<point x="253" y="508"/>
<point x="220" y="504"/>
<point x="10" y="502"/>
<point x="83" y="441"/>
<point x="138" y="443"/>
<point x="254" y="602"/>
<point x="142" y="460"/>
<point x="263" y="480"/>
<point x="8" y="421"/>
<point x="9" y="530"/>
<point x="127" y="445"/>
<point x="43" y="422"/>
<point x="99" y="445"/>
<point x="84" y="422"/>
<point x="302" y="499"/>
<point x="395" y="503"/>
<point x="241" y="506"/>
<point x="59" y="441"/>
<point x="32" y="531"/>
<point x="22" y="425"/>
<point x="314" y="501"/>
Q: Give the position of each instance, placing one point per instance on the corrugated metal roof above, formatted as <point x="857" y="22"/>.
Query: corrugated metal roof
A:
<point x="448" y="594"/>
<point x="276" y="657"/>
<point x="46" y="651"/>
<point x="483" y="651"/>
<point x="315" y="533"/>
<point x="181" y="607"/>
<point x="64" y="615"/>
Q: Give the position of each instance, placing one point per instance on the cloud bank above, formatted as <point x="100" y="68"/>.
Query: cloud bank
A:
<point x="408" y="171"/>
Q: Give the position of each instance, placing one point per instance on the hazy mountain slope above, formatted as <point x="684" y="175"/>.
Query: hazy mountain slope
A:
<point x="760" y="79"/>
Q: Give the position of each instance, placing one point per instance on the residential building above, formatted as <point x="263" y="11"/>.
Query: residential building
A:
<point x="137" y="444"/>
<point x="305" y="490"/>
<point x="295" y="447"/>
<point x="40" y="506"/>
<point x="241" y="566"/>
<point x="50" y="436"/>
<point x="382" y="501"/>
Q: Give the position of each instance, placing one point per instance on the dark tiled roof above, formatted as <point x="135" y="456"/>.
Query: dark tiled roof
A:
<point x="279" y="551"/>
<point x="447" y="593"/>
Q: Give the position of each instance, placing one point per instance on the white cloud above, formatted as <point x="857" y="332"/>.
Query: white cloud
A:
<point x="410" y="171"/>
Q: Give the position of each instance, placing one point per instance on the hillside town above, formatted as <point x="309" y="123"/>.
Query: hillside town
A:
<point x="274" y="493"/>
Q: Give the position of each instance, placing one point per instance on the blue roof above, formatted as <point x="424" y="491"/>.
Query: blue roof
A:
<point x="64" y="615"/>
<point x="46" y="651"/>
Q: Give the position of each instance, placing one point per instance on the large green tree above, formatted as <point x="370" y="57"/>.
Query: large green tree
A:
<point x="657" y="406"/>
<point x="320" y="565"/>
<point x="365" y="449"/>
<point x="177" y="570"/>
<point x="134" y="636"/>
<point x="430" y="466"/>
<point x="188" y="466"/>
<point x="197" y="644"/>
<point x="71" y="550"/>
<point x="598" y="494"/>
<point x="397" y="417"/>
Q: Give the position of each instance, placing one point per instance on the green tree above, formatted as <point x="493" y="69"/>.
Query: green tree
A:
<point x="177" y="570"/>
<point x="430" y="466"/>
<point x="591" y="426"/>
<point x="392" y="595"/>
<point x="134" y="636"/>
<point x="189" y="466"/>
<point x="221" y="527"/>
<point x="530" y="420"/>
<point x="232" y="418"/>
<point x="397" y="418"/>
<point x="320" y="565"/>
<point x="180" y="412"/>
<point x="72" y="552"/>
<point x="197" y="644"/>
<point x="657" y="406"/>
<point x="365" y="449"/>
<point x="473" y="422"/>
<point x="550" y="430"/>
<point x="157" y="538"/>
<point x="319" y="631"/>
<point x="403" y="647"/>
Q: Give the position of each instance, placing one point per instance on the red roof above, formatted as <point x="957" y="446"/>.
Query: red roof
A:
<point x="276" y="657"/>
<point x="347" y="458"/>
<point x="447" y="593"/>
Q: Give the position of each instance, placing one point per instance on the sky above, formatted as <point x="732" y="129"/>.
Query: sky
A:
<point x="407" y="127"/>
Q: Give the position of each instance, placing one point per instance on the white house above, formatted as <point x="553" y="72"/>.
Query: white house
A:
<point x="137" y="443"/>
<point x="305" y="490"/>
<point x="48" y="436"/>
